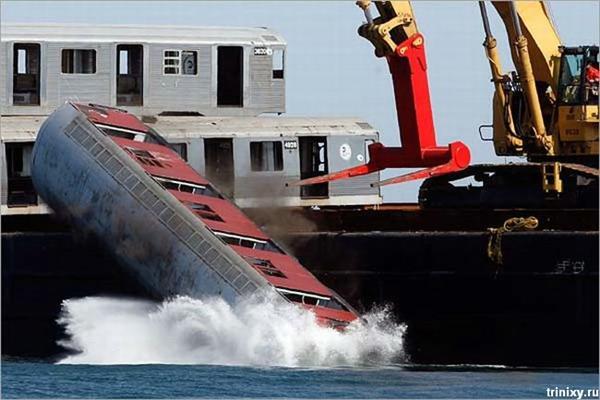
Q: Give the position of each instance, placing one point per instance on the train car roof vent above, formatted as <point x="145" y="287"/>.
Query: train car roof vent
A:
<point x="269" y="38"/>
<point x="364" y="125"/>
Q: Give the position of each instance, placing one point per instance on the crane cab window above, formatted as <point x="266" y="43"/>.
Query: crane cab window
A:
<point x="130" y="75"/>
<point x="570" y="78"/>
<point x="78" y="61"/>
<point x="579" y="76"/>
<point x="592" y="77"/>
<point x="26" y="74"/>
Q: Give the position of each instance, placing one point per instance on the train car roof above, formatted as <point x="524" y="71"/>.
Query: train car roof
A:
<point x="20" y="128"/>
<point x="193" y="127"/>
<point x="24" y="128"/>
<point x="80" y="33"/>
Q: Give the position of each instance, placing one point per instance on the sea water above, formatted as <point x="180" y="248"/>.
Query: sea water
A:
<point x="123" y="348"/>
<point x="46" y="380"/>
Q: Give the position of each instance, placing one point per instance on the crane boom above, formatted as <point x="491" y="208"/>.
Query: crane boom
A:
<point x="395" y="36"/>
<point x="542" y="38"/>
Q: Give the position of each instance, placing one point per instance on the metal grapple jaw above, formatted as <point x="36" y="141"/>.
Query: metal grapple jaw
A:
<point x="435" y="161"/>
<point x="394" y="24"/>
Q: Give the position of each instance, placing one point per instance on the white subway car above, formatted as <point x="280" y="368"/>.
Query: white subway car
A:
<point x="205" y="89"/>
<point x="249" y="159"/>
<point x="147" y="70"/>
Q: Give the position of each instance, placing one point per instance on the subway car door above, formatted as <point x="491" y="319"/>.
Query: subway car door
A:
<point x="230" y="76"/>
<point x="130" y="75"/>
<point x="26" y="74"/>
<point x="313" y="162"/>
<point x="218" y="167"/>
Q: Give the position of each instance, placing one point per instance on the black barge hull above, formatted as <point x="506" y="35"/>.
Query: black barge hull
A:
<point x="539" y="308"/>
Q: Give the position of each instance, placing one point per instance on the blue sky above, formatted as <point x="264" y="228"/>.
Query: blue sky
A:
<point x="333" y="72"/>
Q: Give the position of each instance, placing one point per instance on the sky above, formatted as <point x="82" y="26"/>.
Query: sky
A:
<point x="331" y="71"/>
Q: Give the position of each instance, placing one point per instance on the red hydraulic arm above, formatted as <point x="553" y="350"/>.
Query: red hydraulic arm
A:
<point x="408" y="66"/>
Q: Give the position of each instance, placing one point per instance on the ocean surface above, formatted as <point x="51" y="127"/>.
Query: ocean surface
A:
<point x="26" y="379"/>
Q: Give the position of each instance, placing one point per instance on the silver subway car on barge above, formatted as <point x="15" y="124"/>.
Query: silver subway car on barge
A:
<point x="146" y="70"/>
<point x="205" y="89"/>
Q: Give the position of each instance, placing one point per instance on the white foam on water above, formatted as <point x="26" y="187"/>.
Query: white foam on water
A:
<point x="255" y="332"/>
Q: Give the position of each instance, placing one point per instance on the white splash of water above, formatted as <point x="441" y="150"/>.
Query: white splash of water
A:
<point x="254" y="332"/>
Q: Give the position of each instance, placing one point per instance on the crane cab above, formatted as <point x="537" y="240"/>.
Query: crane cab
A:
<point x="578" y="101"/>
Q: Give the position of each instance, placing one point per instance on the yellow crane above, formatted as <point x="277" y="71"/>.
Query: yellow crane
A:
<point x="546" y="110"/>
